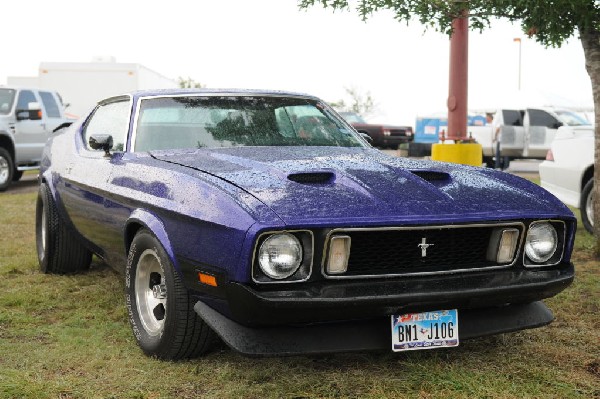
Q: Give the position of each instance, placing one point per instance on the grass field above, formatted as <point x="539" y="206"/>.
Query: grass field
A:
<point x="68" y="337"/>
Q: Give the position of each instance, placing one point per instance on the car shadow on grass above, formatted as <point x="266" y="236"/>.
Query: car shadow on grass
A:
<point x="27" y="184"/>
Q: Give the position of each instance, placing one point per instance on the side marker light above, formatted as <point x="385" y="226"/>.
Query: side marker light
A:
<point x="207" y="279"/>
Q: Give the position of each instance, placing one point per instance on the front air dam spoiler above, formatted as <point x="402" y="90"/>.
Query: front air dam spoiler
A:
<point x="368" y="335"/>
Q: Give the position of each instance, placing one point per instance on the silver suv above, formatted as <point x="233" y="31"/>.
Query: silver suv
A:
<point x="27" y="118"/>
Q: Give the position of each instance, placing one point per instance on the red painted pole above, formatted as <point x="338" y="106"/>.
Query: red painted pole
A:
<point x="459" y="79"/>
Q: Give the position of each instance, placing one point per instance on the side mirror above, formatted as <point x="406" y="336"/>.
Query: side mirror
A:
<point x="556" y="125"/>
<point x="34" y="106"/>
<point x="62" y="126"/>
<point x="101" y="142"/>
<point x="33" y="112"/>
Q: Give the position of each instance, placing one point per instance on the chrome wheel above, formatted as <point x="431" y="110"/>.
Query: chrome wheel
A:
<point x="4" y="170"/>
<point x="589" y="207"/>
<point x="167" y="330"/>
<point x="151" y="292"/>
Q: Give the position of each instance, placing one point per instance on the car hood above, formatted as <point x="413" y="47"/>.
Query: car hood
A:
<point x="347" y="185"/>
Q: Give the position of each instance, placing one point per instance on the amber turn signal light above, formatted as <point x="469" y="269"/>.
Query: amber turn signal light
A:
<point x="207" y="279"/>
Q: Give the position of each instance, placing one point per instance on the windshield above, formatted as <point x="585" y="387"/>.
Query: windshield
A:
<point x="351" y="117"/>
<point x="7" y="97"/>
<point x="571" y="118"/>
<point x="231" y="121"/>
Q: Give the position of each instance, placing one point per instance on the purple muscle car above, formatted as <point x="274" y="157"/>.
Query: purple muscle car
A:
<point x="265" y="219"/>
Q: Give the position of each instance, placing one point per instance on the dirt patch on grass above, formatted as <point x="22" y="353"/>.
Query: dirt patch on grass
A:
<point x="594" y="368"/>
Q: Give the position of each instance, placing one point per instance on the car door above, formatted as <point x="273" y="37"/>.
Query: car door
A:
<point x="30" y="135"/>
<point x="540" y="129"/>
<point x="85" y="188"/>
<point x="512" y="133"/>
<point x="53" y="112"/>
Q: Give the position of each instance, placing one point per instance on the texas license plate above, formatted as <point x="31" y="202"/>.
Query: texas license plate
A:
<point x="427" y="330"/>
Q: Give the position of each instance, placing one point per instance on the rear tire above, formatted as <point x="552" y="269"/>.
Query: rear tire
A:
<point x="161" y="312"/>
<point x="59" y="250"/>
<point x="7" y="168"/>
<point x="586" y="206"/>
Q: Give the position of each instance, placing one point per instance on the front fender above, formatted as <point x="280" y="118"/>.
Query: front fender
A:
<point x="7" y="141"/>
<point x="141" y="218"/>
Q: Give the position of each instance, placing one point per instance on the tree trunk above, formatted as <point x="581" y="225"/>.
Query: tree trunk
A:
<point x="590" y="39"/>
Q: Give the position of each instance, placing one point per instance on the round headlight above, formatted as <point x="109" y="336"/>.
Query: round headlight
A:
<point x="280" y="256"/>
<point x="541" y="242"/>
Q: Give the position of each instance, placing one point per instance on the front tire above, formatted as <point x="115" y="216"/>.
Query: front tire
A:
<point x="7" y="168"/>
<point x="161" y="312"/>
<point x="17" y="175"/>
<point x="586" y="206"/>
<point x="59" y="251"/>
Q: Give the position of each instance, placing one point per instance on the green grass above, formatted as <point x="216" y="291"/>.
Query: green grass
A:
<point x="68" y="337"/>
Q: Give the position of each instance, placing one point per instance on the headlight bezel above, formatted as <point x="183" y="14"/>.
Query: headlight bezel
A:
<point x="496" y="240"/>
<point x="304" y="270"/>
<point x="561" y="230"/>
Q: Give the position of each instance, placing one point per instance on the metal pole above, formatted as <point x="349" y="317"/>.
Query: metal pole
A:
<point x="462" y="151"/>
<point x="459" y="76"/>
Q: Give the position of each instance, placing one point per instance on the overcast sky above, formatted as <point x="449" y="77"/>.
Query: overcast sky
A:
<point x="270" y="44"/>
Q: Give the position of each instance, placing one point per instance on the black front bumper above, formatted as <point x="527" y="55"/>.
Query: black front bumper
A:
<point x="365" y="335"/>
<point x="354" y="315"/>
<point x="341" y="300"/>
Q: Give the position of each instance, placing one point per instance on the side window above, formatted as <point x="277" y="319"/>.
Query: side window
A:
<point x="52" y="110"/>
<point x="512" y="117"/>
<point x="111" y="118"/>
<point x="537" y="117"/>
<point x="7" y="97"/>
<point x="25" y="97"/>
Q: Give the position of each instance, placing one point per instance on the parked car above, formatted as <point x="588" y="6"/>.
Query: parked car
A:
<point x="382" y="135"/>
<point x="27" y="118"/>
<point x="568" y="170"/>
<point x="264" y="218"/>
<point x="525" y="133"/>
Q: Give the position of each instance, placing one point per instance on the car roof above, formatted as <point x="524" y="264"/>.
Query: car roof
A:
<point x="21" y="88"/>
<point x="245" y="92"/>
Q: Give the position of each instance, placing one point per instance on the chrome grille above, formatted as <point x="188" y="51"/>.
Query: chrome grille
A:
<point x="399" y="251"/>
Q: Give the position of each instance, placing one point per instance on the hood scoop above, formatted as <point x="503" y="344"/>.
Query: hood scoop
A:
<point x="432" y="176"/>
<point x="319" y="177"/>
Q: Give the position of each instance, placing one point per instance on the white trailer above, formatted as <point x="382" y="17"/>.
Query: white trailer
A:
<point x="82" y="84"/>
